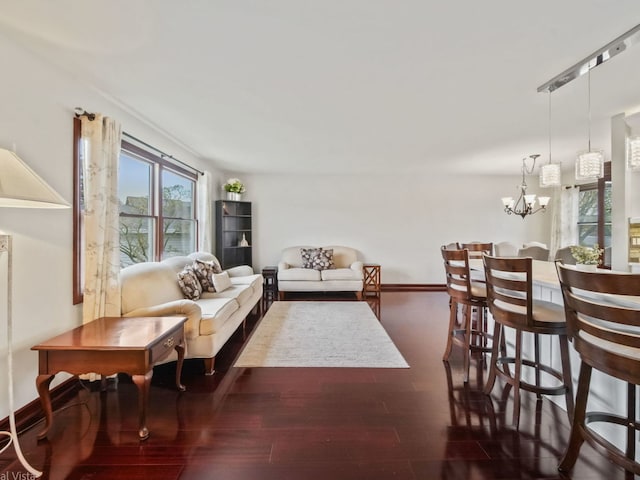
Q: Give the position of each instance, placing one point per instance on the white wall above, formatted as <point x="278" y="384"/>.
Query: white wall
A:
<point x="36" y="106"/>
<point x="399" y="221"/>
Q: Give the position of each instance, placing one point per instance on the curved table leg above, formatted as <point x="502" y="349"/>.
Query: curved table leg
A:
<point x="143" y="383"/>
<point x="180" y="350"/>
<point x="42" y="385"/>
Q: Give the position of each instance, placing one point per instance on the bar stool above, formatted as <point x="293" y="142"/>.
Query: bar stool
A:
<point x="604" y="324"/>
<point x="469" y="294"/>
<point x="510" y="300"/>
<point x="476" y="249"/>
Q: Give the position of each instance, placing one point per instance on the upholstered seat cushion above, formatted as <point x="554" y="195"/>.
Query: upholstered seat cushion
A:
<point x="547" y="312"/>
<point x="306" y="274"/>
<point x="254" y="280"/>
<point x="241" y="293"/>
<point x="543" y="312"/>
<point x="479" y="289"/>
<point x="215" y="312"/>
<point x="341" y="274"/>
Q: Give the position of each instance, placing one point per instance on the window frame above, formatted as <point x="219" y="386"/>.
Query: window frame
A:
<point x="158" y="163"/>
<point x="600" y="186"/>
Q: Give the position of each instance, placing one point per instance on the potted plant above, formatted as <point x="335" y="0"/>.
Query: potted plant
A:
<point x="587" y="258"/>
<point x="234" y="188"/>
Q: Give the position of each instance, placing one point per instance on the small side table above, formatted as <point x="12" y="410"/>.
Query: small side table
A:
<point x="270" y="286"/>
<point x="371" y="286"/>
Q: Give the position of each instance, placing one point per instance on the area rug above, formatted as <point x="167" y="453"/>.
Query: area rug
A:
<point x="320" y="334"/>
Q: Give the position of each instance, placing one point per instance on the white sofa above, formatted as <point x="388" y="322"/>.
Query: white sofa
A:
<point x="345" y="276"/>
<point x="151" y="289"/>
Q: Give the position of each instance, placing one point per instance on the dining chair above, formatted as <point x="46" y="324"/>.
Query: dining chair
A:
<point x="534" y="244"/>
<point x="512" y="306"/>
<point x="563" y="255"/>
<point x="505" y="249"/>
<point x="470" y="296"/>
<point x="603" y="317"/>
<point x="476" y="249"/>
<point x="535" y="252"/>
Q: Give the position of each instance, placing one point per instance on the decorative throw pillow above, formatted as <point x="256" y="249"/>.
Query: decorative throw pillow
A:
<point x="203" y="271"/>
<point x="307" y="255"/>
<point x="323" y="260"/>
<point x="189" y="283"/>
<point x="221" y="281"/>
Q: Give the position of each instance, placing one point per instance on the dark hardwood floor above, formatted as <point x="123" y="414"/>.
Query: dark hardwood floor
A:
<point x="306" y="424"/>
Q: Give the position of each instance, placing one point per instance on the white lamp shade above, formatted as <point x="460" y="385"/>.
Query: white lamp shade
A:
<point x="544" y="201"/>
<point x="21" y="187"/>
<point x="550" y="175"/>
<point x="633" y="152"/>
<point x="507" y="201"/>
<point x="530" y="199"/>
<point x="590" y="165"/>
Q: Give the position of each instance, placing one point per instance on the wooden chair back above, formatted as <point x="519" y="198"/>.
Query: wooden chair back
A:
<point x="456" y="268"/>
<point x="509" y="290"/>
<point x="603" y="319"/>
<point x="476" y="249"/>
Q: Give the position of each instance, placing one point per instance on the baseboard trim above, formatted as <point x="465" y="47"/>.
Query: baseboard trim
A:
<point x="32" y="412"/>
<point x="413" y="287"/>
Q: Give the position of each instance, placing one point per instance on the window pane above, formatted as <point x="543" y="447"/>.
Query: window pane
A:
<point x="136" y="240"/>
<point x="587" y="234"/>
<point x="134" y="185"/>
<point x="607" y="202"/>
<point x="177" y="195"/>
<point x="179" y="237"/>
<point x="588" y="206"/>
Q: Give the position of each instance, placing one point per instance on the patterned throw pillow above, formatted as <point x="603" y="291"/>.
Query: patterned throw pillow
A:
<point x="307" y="255"/>
<point x="323" y="260"/>
<point x="204" y="271"/>
<point x="189" y="283"/>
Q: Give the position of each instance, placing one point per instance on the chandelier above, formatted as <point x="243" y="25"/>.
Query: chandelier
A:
<point x="525" y="204"/>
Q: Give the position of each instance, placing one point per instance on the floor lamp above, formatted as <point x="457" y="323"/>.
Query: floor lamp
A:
<point x="20" y="187"/>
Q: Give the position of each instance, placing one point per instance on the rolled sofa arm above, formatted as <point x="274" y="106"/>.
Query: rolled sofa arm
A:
<point x="186" y="308"/>
<point x="283" y="266"/>
<point x="240" y="271"/>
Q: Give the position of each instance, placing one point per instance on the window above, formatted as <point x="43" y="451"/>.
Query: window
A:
<point x="594" y="215"/>
<point x="157" y="199"/>
<point x="157" y="207"/>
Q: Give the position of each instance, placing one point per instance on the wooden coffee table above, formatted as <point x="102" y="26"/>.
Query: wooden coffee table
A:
<point x="110" y="345"/>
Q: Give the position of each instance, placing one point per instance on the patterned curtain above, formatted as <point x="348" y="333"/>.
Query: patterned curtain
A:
<point x="101" y="138"/>
<point x="205" y="212"/>
<point x="564" y="231"/>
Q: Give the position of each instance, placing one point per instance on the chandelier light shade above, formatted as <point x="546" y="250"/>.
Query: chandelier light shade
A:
<point x="633" y="152"/>
<point x="590" y="165"/>
<point x="525" y="203"/>
<point x="550" y="175"/>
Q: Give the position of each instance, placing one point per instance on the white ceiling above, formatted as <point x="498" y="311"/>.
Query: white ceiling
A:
<point x="346" y="85"/>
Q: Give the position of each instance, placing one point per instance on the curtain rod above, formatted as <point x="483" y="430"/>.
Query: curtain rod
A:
<point x="79" y="112"/>
<point x="162" y="154"/>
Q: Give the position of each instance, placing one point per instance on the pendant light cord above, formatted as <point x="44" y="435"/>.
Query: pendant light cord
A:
<point x="549" y="124"/>
<point x="589" y="105"/>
